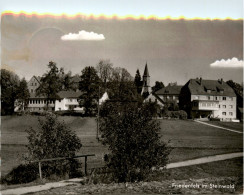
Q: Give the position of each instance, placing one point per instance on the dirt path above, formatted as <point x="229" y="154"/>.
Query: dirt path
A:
<point x="76" y="181"/>
<point x="203" y="160"/>
<point x="219" y="127"/>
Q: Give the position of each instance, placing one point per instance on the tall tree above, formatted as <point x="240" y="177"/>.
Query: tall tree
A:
<point x="9" y="85"/>
<point x="89" y="86"/>
<point x="121" y="87"/>
<point x="104" y="69"/>
<point x="158" y="85"/>
<point x="23" y="95"/>
<point x="51" y="82"/>
<point x="138" y="81"/>
<point x="238" y="88"/>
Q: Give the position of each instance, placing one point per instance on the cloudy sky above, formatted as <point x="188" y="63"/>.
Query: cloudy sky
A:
<point x="174" y="49"/>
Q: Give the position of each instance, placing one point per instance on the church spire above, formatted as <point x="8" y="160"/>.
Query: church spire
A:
<point x="146" y="81"/>
<point x="146" y="73"/>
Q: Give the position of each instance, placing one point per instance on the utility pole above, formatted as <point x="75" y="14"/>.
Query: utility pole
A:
<point x="98" y="113"/>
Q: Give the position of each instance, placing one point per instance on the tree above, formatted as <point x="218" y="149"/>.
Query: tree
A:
<point x="67" y="82"/>
<point x="104" y="69"/>
<point x="89" y="86"/>
<point x="23" y="95"/>
<point x="51" y="83"/>
<point x="158" y="85"/>
<point x="9" y="86"/>
<point x="134" y="143"/>
<point x="121" y="86"/>
<point x="238" y="88"/>
<point x="52" y="139"/>
<point x="138" y="81"/>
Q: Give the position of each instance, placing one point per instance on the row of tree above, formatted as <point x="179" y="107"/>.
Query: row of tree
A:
<point x="94" y="81"/>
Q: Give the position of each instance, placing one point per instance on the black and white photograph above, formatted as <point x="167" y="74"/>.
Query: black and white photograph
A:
<point x="121" y="97"/>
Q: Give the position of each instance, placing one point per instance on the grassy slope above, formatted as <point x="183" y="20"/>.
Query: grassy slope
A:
<point x="189" y="139"/>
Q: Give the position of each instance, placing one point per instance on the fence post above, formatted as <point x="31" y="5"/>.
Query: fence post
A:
<point x="86" y="165"/>
<point x="40" y="170"/>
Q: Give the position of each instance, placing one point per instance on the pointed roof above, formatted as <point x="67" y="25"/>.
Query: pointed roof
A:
<point x="146" y="73"/>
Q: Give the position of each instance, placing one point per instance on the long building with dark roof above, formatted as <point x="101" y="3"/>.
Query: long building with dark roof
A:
<point x="208" y="98"/>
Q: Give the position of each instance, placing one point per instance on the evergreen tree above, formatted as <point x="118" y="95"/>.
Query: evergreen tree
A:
<point x="89" y="86"/>
<point x="138" y="81"/>
<point x="9" y="86"/>
<point x="23" y="95"/>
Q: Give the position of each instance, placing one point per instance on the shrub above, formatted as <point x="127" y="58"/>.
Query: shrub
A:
<point x="50" y="140"/>
<point x="181" y="114"/>
<point x="134" y="143"/>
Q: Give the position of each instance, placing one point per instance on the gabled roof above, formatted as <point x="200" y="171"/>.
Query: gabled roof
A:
<point x="38" y="78"/>
<point x="69" y="94"/>
<point x="210" y="87"/>
<point x="169" y="90"/>
<point x="146" y="73"/>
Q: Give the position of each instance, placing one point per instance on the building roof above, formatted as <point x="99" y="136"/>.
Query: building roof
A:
<point x="69" y="94"/>
<point x="75" y="79"/>
<point x="33" y="95"/>
<point x="38" y="78"/>
<point x="169" y="90"/>
<point x="210" y="87"/>
<point x="146" y="73"/>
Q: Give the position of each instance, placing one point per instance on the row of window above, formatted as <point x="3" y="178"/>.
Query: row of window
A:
<point x="32" y="84"/>
<point x="41" y="101"/>
<point x="216" y="98"/>
<point x="230" y="113"/>
<point x="224" y="106"/>
<point x="70" y="100"/>
<point x="170" y="97"/>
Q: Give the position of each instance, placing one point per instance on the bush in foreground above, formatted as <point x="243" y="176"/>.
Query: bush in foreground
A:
<point x="51" y="139"/>
<point x="134" y="143"/>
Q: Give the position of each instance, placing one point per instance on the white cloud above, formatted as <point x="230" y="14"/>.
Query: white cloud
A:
<point x="230" y="63"/>
<point x="83" y="35"/>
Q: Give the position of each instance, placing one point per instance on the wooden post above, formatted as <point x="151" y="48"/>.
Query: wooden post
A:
<point x="86" y="165"/>
<point x="40" y="170"/>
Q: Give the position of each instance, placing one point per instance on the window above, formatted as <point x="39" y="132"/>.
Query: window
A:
<point x="31" y="84"/>
<point x="59" y="100"/>
<point x="31" y="90"/>
<point x="30" y="101"/>
<point x="230" y="106"/>
<point x="216" y="98"/>
<point x="35" y="84"/>
<point x="208" y="97"/>
<point x="224" y="106"/>
<point x="231" y="113"/>
<point x="224" y="113"/>
<point x="224" y="98"/>
<point x="219" y="106"/>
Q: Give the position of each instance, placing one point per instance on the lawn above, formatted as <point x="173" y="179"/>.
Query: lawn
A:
<point x="188" y="139"/>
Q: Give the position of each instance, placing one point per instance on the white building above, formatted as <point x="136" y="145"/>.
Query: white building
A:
<point x="68" y="100"/>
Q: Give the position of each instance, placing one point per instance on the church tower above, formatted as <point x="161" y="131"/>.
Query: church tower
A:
<point x="146" y="81"/>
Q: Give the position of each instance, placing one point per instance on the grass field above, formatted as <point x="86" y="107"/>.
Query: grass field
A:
<point x="187" y="138"/>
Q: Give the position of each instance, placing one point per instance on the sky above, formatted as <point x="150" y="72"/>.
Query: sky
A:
<point x="207" y="43"/>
